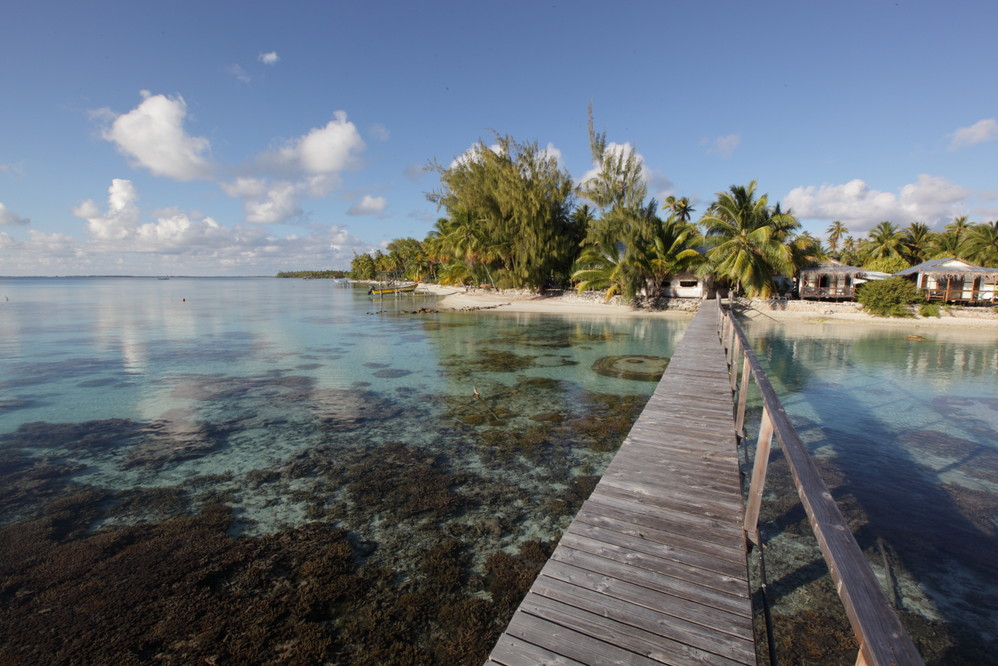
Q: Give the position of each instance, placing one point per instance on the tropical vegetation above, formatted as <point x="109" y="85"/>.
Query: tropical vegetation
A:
<point x="513" y="218"/>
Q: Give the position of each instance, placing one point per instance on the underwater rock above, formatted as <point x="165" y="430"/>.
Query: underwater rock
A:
<point x="640" y="368"/>
<point x="392" y="373"/>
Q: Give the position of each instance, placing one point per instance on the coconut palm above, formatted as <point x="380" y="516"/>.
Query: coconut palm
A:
<point x="982" y="244"/>
<point x="667" y="248"/>
<point x="918" y="240"/>
<point x="886" y="241"/>
<point x="600" y="267"/>
<point x="680" y="207"/>
<point x="749" y="240"/>
<point x="836" y="230"/>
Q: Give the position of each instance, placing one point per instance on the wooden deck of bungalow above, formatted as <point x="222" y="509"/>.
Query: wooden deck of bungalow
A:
<point x="653" y="567"/>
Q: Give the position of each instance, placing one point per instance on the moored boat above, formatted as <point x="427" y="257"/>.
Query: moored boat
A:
<point x="393" y="289"/>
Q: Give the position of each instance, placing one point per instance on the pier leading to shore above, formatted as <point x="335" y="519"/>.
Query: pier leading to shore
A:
<point x="653" y="568"/>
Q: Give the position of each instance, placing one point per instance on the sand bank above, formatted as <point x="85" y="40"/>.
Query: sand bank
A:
<point x="460" y="298"/>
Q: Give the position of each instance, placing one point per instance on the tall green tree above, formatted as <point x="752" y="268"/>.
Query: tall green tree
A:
<point x="748" y="240"/>
<point x="680" y="207"/>
<point x="517" y="201"/>
<point x="836" y="230"/>
<point x="617" y="189"/>
<point x="982" y="244"/>
<point x="886" y="242"/>
<point x="917" y="241"/>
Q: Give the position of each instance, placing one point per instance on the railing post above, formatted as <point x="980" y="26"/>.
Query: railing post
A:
<point x="758" y="484"/>
<point x="742" y="396"/>
<point x="733" y="363"/>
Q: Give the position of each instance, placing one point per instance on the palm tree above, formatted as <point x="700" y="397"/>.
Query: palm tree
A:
<point x="836" y="230"/>
<point x="681" y="207"/>
<point x="917" y="240"/>
<point x="749" y="240"/>
<point x="885" y="241"/>
<point x="959" y="226"/>
<point x="982" y="244"/>
<point x="600" y="267"/>
<point x="666" y="249"/>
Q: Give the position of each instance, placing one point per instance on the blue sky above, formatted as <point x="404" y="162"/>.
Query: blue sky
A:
<point x="243" y="138"/>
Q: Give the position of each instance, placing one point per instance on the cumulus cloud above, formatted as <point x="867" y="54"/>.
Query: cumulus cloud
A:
<point x="472" y="154"/>
<point x="122" y="214"/>
<point x="268" y="58"/>
<point x="170" y="241"/>
<point x="333" y="148"/>
<point x="11" y="219"/>
<point x="368" y="205"/>
<point x="12" y="169"/>
<point x="723" y="145"/>
<point x="152" y="135"/>
<point x="979" y="132"/>
<point x="930" y="199"/>
<point x="658" y="184"/>
<point x="380" y="132"/>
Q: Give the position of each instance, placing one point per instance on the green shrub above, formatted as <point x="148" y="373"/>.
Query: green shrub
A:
<point x="929" y="309"/>
<point x="888" y="298"/>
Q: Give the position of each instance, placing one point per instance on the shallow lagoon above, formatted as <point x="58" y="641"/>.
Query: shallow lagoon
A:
<point x="260" y="469"/>
<point x="254" y="469"/>
<point x="905" y="431"/>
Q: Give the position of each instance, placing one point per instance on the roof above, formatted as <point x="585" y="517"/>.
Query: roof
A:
<point x="949" y="266"/>
<point x="832" y="267"/>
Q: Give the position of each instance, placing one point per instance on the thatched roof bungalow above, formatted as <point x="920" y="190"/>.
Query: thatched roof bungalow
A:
<point x="833" y="280"/>
<point x="953" y="280"/>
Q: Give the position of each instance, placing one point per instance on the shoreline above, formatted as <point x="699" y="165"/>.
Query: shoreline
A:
<point x="814" y="312"/>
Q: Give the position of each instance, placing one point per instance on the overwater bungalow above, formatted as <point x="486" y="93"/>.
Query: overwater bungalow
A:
<point x="833" y="280"/>
<point x="953" y="280"/>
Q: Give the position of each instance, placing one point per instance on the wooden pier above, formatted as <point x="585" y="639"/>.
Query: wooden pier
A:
<point x="653" y="567"/>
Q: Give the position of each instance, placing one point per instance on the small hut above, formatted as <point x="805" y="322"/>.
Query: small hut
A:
<point x="953" y="280"/>
<point x="833" y="280"/>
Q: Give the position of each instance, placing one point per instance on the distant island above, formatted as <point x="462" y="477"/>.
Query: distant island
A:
<point x="314" y="275"/>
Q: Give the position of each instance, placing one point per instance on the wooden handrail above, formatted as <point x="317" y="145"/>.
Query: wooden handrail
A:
<point x="881" y="637"/>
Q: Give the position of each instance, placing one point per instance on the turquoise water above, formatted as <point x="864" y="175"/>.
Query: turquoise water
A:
<point x="905" y="431"/>
<point x="226" y="443"/>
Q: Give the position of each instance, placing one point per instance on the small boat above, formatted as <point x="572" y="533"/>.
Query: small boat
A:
<point x="399" y="288"/>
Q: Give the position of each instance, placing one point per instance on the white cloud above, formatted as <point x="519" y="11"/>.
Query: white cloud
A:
<point x="330" y="149"/>
<point x="368" y="205"/>
<point x="380" y="132"/>
<point x="11" y="219"/>
<point x="238" y="73"/>
<point x="122" y="239"/>
<point x="723" y="145"/>
<point x="657" y="182"/>
<point x="979" y="132"/>
<point x="268" y="58"/>
<point x="472" y="154"/>
<point x="153" y="136"/>
<point x="931" y="199"/>
<point x="122" y="213"/>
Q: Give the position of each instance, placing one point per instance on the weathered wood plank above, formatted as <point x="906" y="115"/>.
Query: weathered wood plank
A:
<point x="739" y="649"/>
<point x="653" y="569"/>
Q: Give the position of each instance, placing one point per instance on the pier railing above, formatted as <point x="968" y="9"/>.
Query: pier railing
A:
<point x="878" y="631"/>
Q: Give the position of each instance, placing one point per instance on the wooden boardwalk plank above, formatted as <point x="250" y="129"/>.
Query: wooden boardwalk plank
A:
<point x="653" y="569"/>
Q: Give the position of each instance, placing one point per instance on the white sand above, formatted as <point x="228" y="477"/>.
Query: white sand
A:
<point x="459" y="298"/>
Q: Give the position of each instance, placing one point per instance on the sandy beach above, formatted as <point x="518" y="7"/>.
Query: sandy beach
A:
<point x="816" y="312"/>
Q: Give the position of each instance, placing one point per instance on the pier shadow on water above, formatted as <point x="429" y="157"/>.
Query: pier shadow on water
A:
<point x="920" y="500"/>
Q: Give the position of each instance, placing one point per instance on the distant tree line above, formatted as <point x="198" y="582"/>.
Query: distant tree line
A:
<point x="514" y="219"/>
<point x="314" y="275"/>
